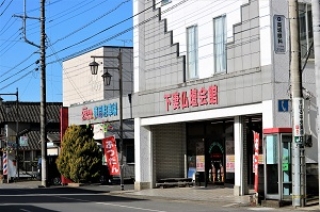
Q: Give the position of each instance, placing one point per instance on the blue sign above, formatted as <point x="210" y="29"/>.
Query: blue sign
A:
<point x="283" y="105"/>
<point x="105" y="110"/>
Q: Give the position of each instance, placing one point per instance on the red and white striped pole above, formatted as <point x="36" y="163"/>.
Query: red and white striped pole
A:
<point x="5" y="164"/>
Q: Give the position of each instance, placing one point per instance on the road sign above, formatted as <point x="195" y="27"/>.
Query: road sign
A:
<point x="283" y="105"/>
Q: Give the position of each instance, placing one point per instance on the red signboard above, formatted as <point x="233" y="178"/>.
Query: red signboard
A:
<point x="64" y="121"/>
<point x="256" y="138"/>
<point x="111" y="154"/>
<point x="195" y="97"/>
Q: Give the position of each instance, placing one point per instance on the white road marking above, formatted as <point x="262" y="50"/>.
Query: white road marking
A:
<point x="261" y="209"/>
<point x="21" y="209"/>
<point x="69" y="198"/>
<point x="114" y="205"/>
<point x="129" y="207"/>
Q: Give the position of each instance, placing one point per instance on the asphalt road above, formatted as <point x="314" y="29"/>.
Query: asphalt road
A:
<point x="65" y="199"/>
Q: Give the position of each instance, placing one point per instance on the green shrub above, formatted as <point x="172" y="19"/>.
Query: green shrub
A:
<point x="80" y="159"/>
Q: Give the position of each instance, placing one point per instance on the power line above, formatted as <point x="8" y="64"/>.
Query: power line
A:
<point x="91" y="22"/>
<point x="107" y="39"/>
<point x="117" y="35"/>
<point x="6" y="7"/>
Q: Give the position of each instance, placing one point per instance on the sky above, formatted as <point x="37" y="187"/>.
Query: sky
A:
<point x="72" y="27"/>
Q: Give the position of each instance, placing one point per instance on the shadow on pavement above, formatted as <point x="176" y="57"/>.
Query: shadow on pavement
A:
<point x="59" y="195"/>
<point x="19" y="208"/>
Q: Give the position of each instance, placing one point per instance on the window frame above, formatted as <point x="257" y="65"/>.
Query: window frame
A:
<point x="306" y="30"/>
<point x="195" y="73"/>
<point x="164" y="2"/>
<point x="222" y="59"/>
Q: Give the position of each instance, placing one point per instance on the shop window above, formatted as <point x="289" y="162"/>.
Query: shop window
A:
<point x="219" y="43"/>
<point x="130" y="154"/>
<point x="27" y="156"/>
<point x="215" y="129"/>
<point x="192" y="52"/>
<point x="36" y="155"/>
<point x="195" y="129"/>
<point x="306" y="32"/>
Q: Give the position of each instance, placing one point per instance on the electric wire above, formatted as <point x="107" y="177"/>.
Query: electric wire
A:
<point x="239" y="44"/>
<point x="6" y="8"/>
<point x="91" y="22"/>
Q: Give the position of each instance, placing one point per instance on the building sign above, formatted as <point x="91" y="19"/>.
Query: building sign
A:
<point x="298" y="116"/>
<point x="101" y="111"/>
<point x="279" y="34"/>
<point x="194" y="98"/>
<point x="283" y="105"/>
<point x="111" y="155"/>
<point x="23" y="140"/>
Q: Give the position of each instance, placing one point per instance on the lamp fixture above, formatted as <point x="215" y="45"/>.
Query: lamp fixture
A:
<point x="94" y="67"/>
<point x="106" y="77"/>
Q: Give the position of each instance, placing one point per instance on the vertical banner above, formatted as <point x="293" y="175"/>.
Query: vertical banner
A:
<point x="64" y="122"/>
<point x="256" y="159"/>
<point x="111" y="154"/>
<point x="298" y="119"/>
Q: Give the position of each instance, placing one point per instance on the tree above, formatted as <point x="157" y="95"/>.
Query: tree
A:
<point x="80" y="159"/>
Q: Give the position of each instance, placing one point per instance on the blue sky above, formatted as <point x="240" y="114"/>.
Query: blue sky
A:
<point x="72" y="27"/>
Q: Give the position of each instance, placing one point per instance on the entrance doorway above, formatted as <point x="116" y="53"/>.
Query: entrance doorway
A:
<point x="216" y="163"/>
<point x="208" y="145"/>
<point x="211" y="153"/>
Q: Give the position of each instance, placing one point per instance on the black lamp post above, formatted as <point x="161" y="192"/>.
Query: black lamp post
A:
<point x="107" y="79"/>
<point x="17" y="126"/>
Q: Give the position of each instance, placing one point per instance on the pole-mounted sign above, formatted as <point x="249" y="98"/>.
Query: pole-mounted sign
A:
<point x="298" y="110"/>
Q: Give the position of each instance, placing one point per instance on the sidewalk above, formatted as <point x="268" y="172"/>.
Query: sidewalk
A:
<point x="219" y="195"/>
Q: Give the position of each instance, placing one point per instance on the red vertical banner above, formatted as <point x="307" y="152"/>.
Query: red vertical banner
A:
<point x="256" y="138"/>
<point x="64" y="122"/>
<point x="111" y="154"/>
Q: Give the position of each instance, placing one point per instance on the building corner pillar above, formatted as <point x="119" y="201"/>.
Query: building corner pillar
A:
<point x="143" y="156"/>
<point x="241" y="160"/>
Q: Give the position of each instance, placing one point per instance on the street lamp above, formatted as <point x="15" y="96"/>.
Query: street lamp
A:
<point x="107" y="79"/>
<point x="17" y="126"/>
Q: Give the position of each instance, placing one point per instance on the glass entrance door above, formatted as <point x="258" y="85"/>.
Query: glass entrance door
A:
<point x="286" y="166"/>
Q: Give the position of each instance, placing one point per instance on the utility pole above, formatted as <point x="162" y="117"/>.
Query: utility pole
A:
<point x="43" y="112"/>
<point x="297" y="107"/>
<point x="316" y="41"/>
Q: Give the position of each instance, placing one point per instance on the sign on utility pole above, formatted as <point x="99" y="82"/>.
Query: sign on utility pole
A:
<point x="298" y="157"/>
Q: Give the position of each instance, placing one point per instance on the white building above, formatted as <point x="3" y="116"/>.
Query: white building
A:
<point x="89" y="99"/>
<point x="207" y="74"/>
